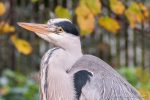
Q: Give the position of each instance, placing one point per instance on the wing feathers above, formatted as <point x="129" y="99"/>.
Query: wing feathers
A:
<point x="80" y="79"/>
<point x="105" y="84"/>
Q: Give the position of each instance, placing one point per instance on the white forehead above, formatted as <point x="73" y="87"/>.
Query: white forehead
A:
<point x="57" y="20"/>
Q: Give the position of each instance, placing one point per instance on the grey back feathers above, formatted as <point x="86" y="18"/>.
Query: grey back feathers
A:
<point x="104" y="82"/>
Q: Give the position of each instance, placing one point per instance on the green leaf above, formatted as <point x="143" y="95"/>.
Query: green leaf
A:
<point x="129" y="74"/>
<point x="34" y="1"/>
<point x="62" y="12"/>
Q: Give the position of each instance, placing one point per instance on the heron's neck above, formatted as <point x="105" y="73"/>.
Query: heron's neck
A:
<point x="75" y="52"/>
<point x="69" y="56"/>
<point x="74" y="48"/>
<point x="56" y="83"/>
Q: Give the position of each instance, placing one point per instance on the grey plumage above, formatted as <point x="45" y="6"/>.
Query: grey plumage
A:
<point x="105" y="84"/>
<point x="44" y="72"/>
<point x="67" y="74"/>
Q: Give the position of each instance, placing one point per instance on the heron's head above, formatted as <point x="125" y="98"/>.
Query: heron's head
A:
<point x="60" y="32"/>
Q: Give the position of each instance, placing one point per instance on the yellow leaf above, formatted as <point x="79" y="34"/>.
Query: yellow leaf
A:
<point x="21" y="45"/>
<point x="134" y="14"/>
<point x="145" y="94"/>
<point x="82" y="8"/>
<point x="5" y="27"/>
<point x="142" y="75"/>
<point x="117" y="6"/>
<point x="2" y="9"/>
<point x="139" y="72"/>
<point x="85" y="19"/>
<point x="109" y="24"/>
<point x="62" y="12"/>
<point x="11" y="28"/>
<point x="93" y="5"/>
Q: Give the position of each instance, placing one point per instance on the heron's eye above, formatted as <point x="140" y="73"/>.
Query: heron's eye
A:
<point x="60" y="30"/>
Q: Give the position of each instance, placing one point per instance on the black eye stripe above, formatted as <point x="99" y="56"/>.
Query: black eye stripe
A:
<point x="68" y="27"/>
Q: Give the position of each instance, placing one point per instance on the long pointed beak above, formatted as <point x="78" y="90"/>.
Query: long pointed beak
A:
<point x="37" y="28"/>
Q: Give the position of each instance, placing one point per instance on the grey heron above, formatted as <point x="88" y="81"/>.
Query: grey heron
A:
<point x="67" y="74"/>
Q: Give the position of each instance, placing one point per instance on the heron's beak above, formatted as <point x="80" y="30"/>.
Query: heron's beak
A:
<point x="37" y="28"/>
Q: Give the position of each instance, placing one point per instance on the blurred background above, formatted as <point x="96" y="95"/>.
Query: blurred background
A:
<point x="117" y="31"/>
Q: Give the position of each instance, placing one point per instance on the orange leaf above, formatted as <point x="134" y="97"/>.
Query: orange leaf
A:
<point x="82" y="8"/>
<point x="2" y="8"/>
<point x="85" y="19"/>
<point x="117" y="6"/>
<point x="86" y="24"/>
<point x="144" y="10"/>
<point x="4" y="90"/>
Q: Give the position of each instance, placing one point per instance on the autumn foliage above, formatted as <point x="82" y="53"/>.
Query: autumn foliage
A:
<point x="2" y="8"/>
<point x="21" y="45"/>
<point x="117" y="6"/>
<point x="110" y="24"/>
<point x="88" y="14"/>
<point x="88" y="10"/>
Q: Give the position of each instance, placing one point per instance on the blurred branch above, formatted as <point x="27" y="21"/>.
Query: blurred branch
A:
<point x="12" y="21"/>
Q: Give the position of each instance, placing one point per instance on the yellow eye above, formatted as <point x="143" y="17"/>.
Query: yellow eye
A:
<point x="60" y="29"/>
